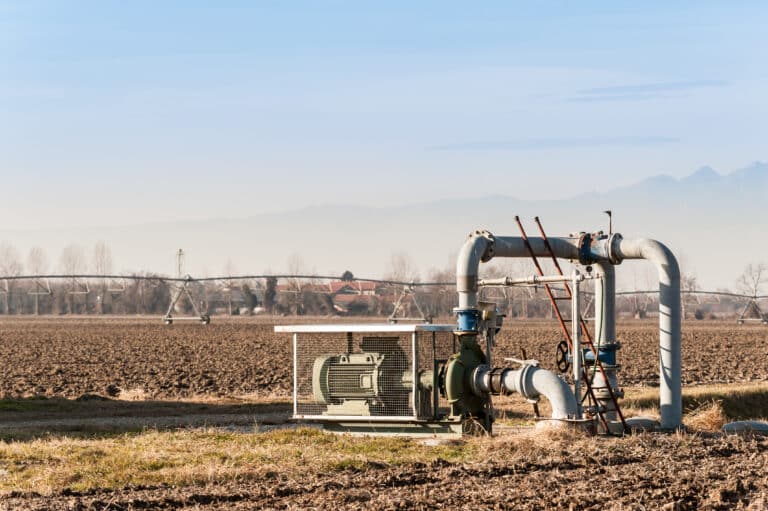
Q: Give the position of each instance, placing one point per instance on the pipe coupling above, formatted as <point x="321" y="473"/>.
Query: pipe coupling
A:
<point x="596" y="247"/>
<point x="490" y="249"/>
<point x="614" y="255"/>
<point x="489" y="381"/>
<point x="524" y="383"/>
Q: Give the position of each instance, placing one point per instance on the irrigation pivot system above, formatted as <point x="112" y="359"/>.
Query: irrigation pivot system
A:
<point x="181" y="289"/>
<point x="84" y="284"/>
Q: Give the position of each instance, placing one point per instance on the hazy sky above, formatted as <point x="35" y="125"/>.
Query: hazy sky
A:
<point x="115" y="112"/>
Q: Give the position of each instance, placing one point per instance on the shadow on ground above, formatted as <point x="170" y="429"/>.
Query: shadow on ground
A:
<point x="93" y="416"/>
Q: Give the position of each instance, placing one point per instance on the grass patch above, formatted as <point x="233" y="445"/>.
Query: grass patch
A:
<point x="202" y="456"/>
<point x="187" y="457"/>
<point x="736" y="401"/>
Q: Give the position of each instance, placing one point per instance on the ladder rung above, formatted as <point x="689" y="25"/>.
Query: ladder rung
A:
<point x="554" y="299"/>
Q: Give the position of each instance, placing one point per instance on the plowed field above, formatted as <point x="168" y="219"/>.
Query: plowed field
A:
<point x="139" y="358"/>
<point x="69" y="358"/>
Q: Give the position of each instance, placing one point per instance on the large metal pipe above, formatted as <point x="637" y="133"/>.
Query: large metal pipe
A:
<point x="530" y="381"/>
<point x="482" y="246"/>
<point x="472" y="253"/>
<point x="605" y="303"/>
<point x="670" y="387"/>
<point x="605" y="339"/>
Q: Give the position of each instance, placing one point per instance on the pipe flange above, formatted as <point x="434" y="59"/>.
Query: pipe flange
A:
<point x="585" y="241"/>
<point x="614" y="257"/>
<point x="497" y="376"/>
<point x="528" y="393"/>
<point x="479" y="382"/>
<point x="490" y="249"/>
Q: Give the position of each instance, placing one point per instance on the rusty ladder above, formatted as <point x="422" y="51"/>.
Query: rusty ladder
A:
<point x="563" y="326"/>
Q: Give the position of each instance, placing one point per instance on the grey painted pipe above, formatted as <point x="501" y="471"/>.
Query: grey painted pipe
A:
<point x="670" y="387"/>
<point x="467" y="264"/>
<point x="482" y="246"/>
<point x="532" y="382"/>
<point x="605" y="332"/>
<point x="605" y="303"/>
<point x="746" y="427"/>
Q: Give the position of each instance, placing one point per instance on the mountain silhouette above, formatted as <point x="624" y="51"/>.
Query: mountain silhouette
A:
<point x="715" y="223"/>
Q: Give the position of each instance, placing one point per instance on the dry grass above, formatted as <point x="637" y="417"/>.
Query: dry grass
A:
<point x="708" y="417"/>
<point x="188" y="457"/>
<point x="737" y="400"/>
<point x="199" y="456"/>
<point x="135" y="394"/>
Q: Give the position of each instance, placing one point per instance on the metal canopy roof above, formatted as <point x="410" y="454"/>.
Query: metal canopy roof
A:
<point x="363" y="327"/>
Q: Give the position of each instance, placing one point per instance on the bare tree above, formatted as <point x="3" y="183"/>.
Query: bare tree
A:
<point x="295" y="267"/>
<point x="689" y="283"/>
<point x="72" y="262"/>
<point x="102" y="265"/>
<point x="102" y="258"/>
<point x="37" y="263"/>
<point x="751" y="281"/>
<point x="10" y="262"/>
<point x="10" y="266"/>
<point x="401" y="268"/>
<point x="229" y="270"/>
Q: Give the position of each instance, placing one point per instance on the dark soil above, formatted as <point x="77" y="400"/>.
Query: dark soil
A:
<point x="71" y="357"/>
<point x="74" y="358"/>
<point x="671" y="472"/>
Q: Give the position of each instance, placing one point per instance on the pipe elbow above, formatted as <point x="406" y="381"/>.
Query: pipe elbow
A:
<point x="478" y="248"/>
<point x="653" y="251"/>
<point x="532" y="382"/>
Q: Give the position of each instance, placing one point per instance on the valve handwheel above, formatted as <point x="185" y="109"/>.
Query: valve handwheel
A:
<point x="561" y="357"/>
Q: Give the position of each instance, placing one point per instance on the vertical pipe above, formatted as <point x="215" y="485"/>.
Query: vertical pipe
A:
<point x="350" y="342"/>
<point x="605" y="337"/>
<point x="670" y="380"/>
<point x="605" y="303"/>
<point x="576" y="339"/>
<point x="670" y="363"/>
<point x="435" y="385"/>
<point x="295" y="375"/>
<point x="415" y="373"/>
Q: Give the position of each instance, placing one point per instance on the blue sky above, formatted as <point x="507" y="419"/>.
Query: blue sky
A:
<point x="115" y="112"/>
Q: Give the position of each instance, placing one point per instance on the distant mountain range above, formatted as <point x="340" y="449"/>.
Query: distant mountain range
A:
<point x="715" y="223"/>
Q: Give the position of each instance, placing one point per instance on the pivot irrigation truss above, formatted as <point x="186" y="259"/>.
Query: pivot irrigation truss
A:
<point x="408" y="287"/>
<point x="181" y="291"/>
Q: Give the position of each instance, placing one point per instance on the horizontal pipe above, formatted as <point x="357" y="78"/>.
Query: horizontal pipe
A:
<point x="514" y="246"/>
<point x="533" y="279"/>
